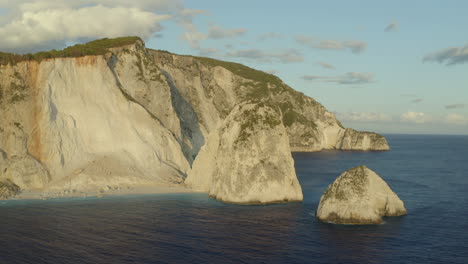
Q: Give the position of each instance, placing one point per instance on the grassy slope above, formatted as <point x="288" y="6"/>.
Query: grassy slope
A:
<point x="96" y="47"/>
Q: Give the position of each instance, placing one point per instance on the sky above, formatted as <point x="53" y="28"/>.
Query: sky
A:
<point x="383" y="66"/>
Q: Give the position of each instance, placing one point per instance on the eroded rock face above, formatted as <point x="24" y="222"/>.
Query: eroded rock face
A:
<point x="25" y="171"/>
<point x="213" y="87"/>
<point x="60" y="116"/>
<point x="247" y="159"/>
<point x="8" y="189"/>
<point x="357" y="140"/>
<point x="66" y="122"/>
<point x="359" y="196"/>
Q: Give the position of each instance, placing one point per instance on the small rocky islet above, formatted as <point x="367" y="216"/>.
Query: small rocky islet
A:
<point x="359" y="196"/>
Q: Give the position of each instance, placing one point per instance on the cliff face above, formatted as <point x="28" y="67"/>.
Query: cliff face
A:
<point x="137" y="116"/>
<point x="214" y="87"/>
<point x="64" y="116"/>
<point x="247" y="159"/>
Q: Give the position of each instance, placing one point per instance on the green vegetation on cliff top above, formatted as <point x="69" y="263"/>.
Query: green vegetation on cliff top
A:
<point x="96" y="47"/>
<point x="237" y="68"/>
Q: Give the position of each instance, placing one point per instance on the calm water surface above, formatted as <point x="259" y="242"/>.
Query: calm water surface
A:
<point x="429" y="173"/>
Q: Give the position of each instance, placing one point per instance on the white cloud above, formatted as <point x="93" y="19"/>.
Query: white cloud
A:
<point x="392" y="27"/>
<point x="454" y="106"/>
<point x="286" y="56"/>
<point x="363" y="117"/>
<point x="348" y="78"/>
<point x="449" y="56"/>
<point x="415" y="117"/>
<point x="37" y="5"/>
<point x="37" y="25"/>
<point x="193" y="38"/>
<point x="191" y="34"/>
<point x="354" y="46"/>
<point x="456" y="119"/>
<point x="217" y="32"/>
<point x="326" y="65"/>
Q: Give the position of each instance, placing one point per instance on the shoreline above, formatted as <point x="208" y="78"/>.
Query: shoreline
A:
<point x="128" y="190"/>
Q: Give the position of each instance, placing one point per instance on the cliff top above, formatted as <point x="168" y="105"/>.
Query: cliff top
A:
<point x="96" y="47"/>
<point x="236" y="68"/>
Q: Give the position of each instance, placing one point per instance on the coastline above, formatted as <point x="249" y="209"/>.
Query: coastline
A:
<point x="129" y="190"/>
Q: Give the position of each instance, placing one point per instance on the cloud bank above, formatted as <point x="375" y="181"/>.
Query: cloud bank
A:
<point x="415" y="117"/>
<point x="449" y="56"/>
<point x="363" y="117"/>
<point x="456" y="119"/>
<point x="38" y="25"/>
<point x="286" y="56"/>
<point x="326" y="65"/>
<point x="454" y="106"/>
<point x="217" y="32"/>
<point x="354" y="46"/>
<point x="348" y="78"/>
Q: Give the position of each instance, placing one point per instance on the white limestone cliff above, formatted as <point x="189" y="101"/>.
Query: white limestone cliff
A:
<point x="213" y="87"/>
<point x="359" y="196"/>
<point x="135" y="116"/>
<point x="74" y="113"/>
<point x="247" y="159"/>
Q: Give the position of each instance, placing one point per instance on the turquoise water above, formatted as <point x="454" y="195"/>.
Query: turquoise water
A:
<point x="429" y="173"/>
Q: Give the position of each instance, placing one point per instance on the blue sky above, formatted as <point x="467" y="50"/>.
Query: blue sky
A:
<point x="379" y="65"/>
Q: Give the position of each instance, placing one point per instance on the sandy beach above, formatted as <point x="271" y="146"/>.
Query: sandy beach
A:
<point x="104" y="192"/>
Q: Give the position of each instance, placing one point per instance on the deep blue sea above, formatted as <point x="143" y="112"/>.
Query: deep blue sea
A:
<point x="429" y="173"/>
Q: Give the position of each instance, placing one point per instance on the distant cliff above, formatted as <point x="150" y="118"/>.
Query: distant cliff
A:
<point x="113" y="113"/>
<point x="213" y="88"/>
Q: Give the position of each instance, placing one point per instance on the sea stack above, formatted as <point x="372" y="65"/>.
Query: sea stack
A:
<point x="247" y="159"/>
<point x="359" y="196"/>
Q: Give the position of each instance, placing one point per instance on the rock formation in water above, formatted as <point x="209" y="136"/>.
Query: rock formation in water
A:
<point x="8" y="189"/>
<point x="113" y="112"/>
<point x="247" y="159"/>
<point x="359" y="196"/>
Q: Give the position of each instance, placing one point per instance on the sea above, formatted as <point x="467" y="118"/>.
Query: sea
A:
<point x="428" y="172"/>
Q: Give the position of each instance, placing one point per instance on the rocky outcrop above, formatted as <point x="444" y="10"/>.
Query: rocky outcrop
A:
<point x="356" y="140"/>
<point x="128" y="115"/>
<point x="359" y="196"/>
<point x="214" y="87"/>
<point x="27" y="172"/>
<point x="8" y="189"/>
<point x="247" y="159"/>
<point x="67" y="114"/>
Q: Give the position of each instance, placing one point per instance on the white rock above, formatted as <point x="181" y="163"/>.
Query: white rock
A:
<point x="25" y="171"/>
<point x="75" y="113"/>
<point x="359" y="196"/>
<point x="247" y="159"/>
<point x="357" y="140"/>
